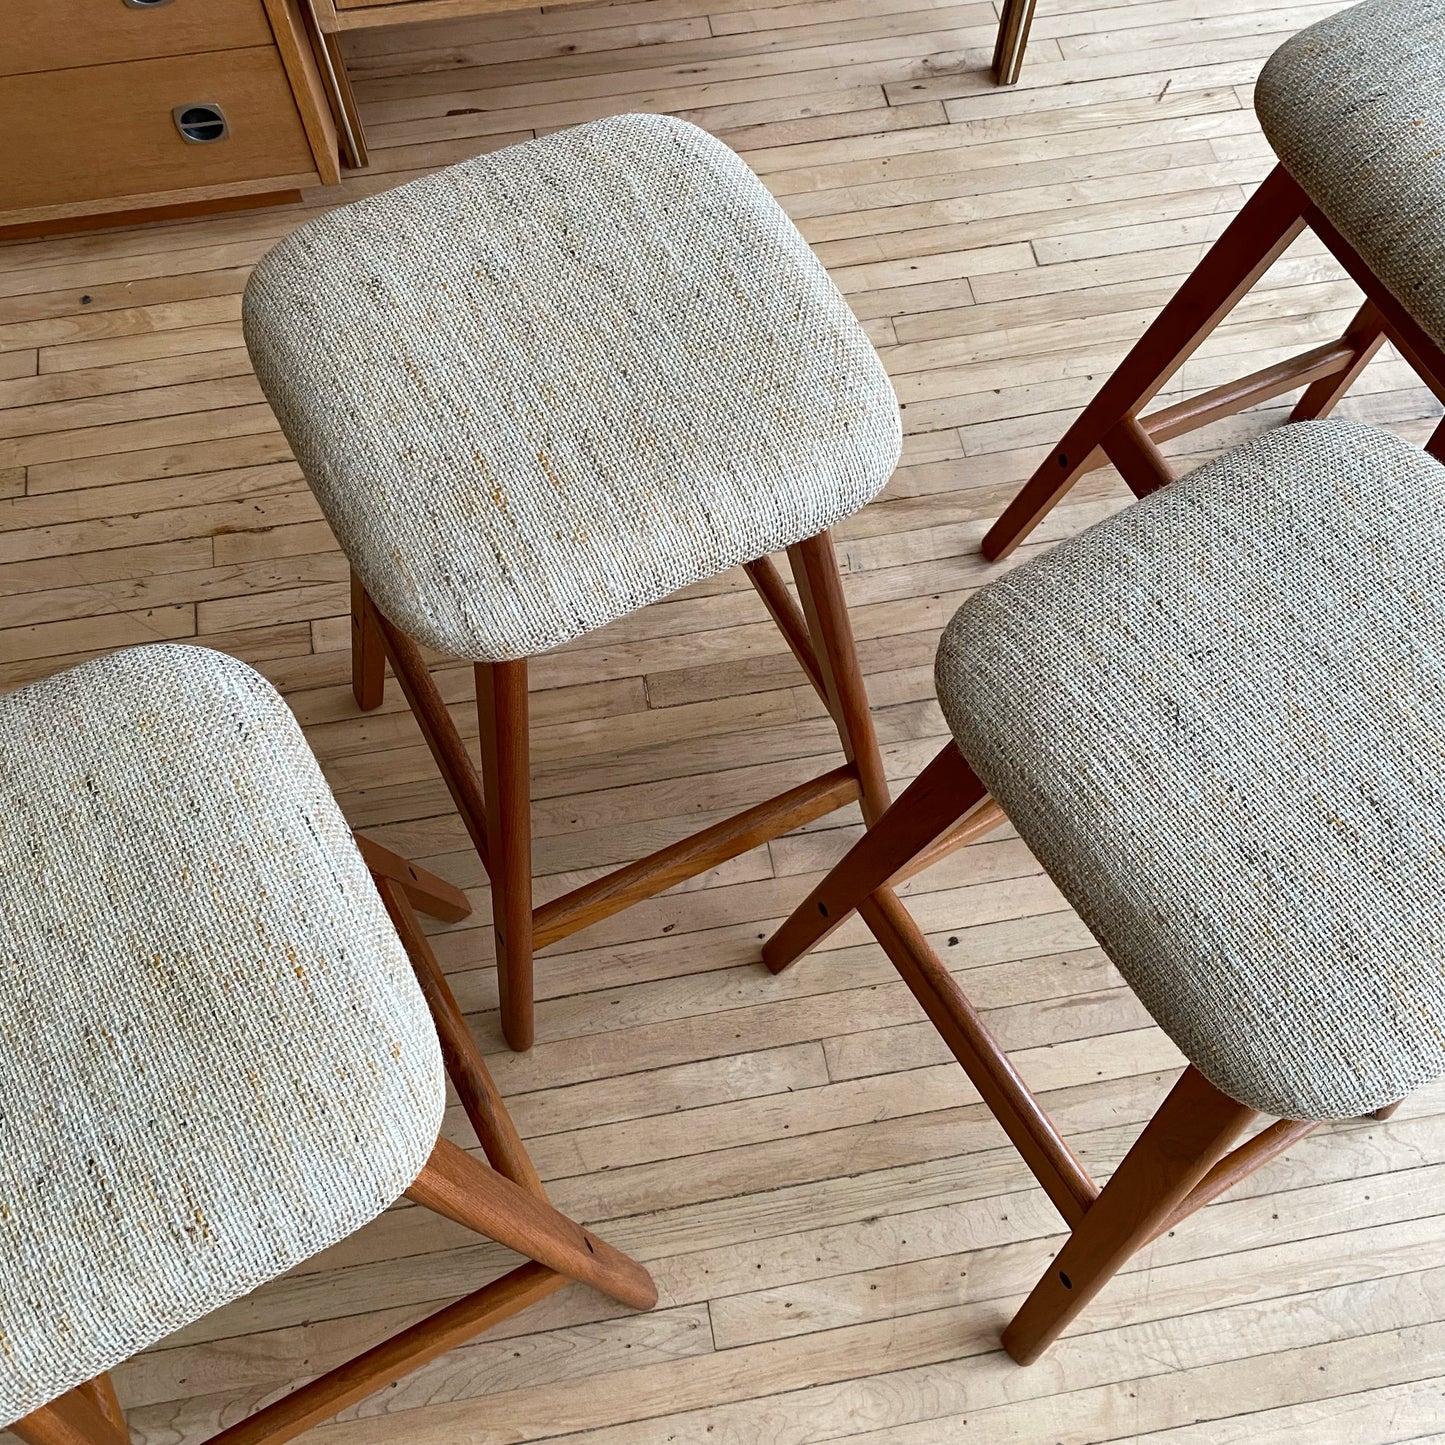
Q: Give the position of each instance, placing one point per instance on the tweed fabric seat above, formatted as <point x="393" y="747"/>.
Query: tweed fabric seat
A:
<point x="1355" y="108"/>
<point x="543" y="388"/>
<point x="214" y="1057"/>
<point x="1218" y="719"/>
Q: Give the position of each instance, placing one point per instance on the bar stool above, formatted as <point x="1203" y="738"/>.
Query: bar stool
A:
<point x="215" y="1058"/>
<point x="1216" y="719"/>
<point x="539" y="390"/>
<point x="1353" y="108"/>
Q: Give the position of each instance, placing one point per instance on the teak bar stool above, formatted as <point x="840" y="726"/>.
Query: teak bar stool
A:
<point x="544" y="388"/>
<point x="1216" y="719"/>
<point x="215" y="1057"/>
<point x="1354" y="107"/>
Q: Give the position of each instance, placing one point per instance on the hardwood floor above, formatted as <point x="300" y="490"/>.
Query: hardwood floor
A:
<point x="836" y="1225"/>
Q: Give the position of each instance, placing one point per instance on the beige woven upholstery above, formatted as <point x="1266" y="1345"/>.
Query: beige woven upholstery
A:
<point x="1355" y="108"/>
<point x="214" y="1058"/>
<point x="548" y="386"/>
<point x="1218" y="719"/>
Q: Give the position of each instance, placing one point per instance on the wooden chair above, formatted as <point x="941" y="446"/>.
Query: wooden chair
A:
<point x="544" y="388"/>
<point x="1204" y="719"/>
<point x="215" y="1055"/>
<point x="1351" y="107"/>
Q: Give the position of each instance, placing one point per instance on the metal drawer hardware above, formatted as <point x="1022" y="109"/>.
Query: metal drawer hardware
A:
<point x="200" y="122"/>
<point x="144" y="4"/>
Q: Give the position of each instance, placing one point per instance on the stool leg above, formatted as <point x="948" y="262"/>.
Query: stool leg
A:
<point x="936" y="799"/>
<point x="820" y="589"/>
<point x="368" y="653"/>
<point x="506" y="786"/>
<point x="1366" y="334"/>
<point x="1013" y="38"/>
<point x="1254" y="240"/>
<point x="467" y="1191"/>
<point x="461" y="1188"/>
<point x="463" y="1059"/>
<point x="101" y="1393"/>
<point x="443" y="740"/>
<point x="1388" y="1112"/>
<point x="87" y="1415"/>
<point x="1192" y="1129"/>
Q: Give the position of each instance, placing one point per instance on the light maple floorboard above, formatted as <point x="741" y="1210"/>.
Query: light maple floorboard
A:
<point x="836" y="1224"/>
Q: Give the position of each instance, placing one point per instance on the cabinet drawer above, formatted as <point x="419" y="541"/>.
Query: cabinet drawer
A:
<point x="103" y="131"/>
<point x="61" y="34"/>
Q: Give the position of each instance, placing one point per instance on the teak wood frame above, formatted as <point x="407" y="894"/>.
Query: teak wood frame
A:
<point x="1013" y="38"/>
<point x="502" y="1199"/>
<point x="1111" y="429"/>
<point x="1185" y="1157"/>
<point x="496" y="807"/>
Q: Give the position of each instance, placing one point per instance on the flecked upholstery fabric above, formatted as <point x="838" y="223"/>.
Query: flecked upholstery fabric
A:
<point x="1355" y="108"/>
<point x="543" y="388"/>
<point x="1218" y="719"/>
<point x="214" y="1058"/>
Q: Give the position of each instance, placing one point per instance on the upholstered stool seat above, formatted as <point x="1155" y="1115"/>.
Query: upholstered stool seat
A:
<point x="219" y="1047"/>
<point x="543" y="388"/>
<point x="214" y="1058"/>
<point x="1354" y="107"/>
<point x="1218" y="720"/>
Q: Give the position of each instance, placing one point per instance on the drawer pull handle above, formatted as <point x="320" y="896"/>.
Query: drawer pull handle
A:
<point x="144" y="4"/>
<point x="202" y="122"/>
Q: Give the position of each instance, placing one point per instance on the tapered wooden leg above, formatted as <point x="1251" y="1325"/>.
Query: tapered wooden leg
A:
<point x="464" y="1063"/>
<point x="1193" y="1128"/>
<point x="1364" y="335"/>
<point x="443" y="740"/>
<point x="467" y="1191"/>
<point x="81" y="1416"/>
<point x="820" y="588"/>
<point x="791" y="622"/>
<point x="1254" y="240"/>
<point x="368" y="655"/>
<point x="101" y="1393"/>
<point x="928" y="808"/>
<point x="1436" y="445"/>
<point x="1388" y="1112"/>
<point x="1009" y="1099"/>
<point x="506" y="784"/>
<point x="424" y="890"/>
<point x="1013" y="38"/>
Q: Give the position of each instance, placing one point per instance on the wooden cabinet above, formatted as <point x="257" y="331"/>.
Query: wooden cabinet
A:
<point x="113" y="106"/>
<point x="64" y="34"/>
<point x="100" y="133"/>
<point x="93" y="95"/>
